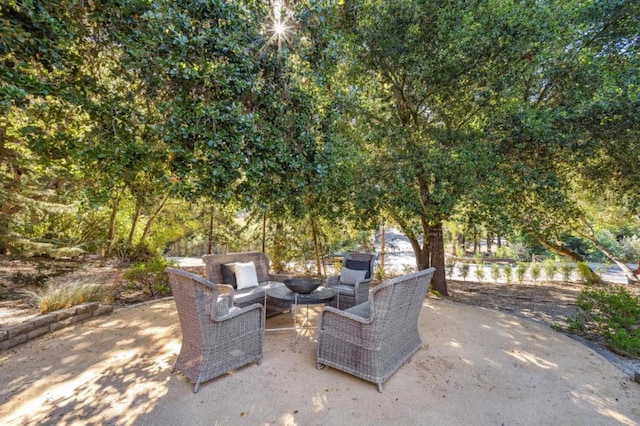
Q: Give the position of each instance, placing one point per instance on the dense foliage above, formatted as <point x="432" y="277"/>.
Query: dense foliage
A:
<point x="129" y="127"/>
<point x="612" y="313"/>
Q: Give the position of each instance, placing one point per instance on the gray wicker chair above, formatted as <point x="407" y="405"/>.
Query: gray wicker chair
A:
<point x="353" y="294"/>
<point x="216" y="336"/>
<point x="372" y="340"/>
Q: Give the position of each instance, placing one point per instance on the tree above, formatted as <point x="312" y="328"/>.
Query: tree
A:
<point x="439" y="73"/>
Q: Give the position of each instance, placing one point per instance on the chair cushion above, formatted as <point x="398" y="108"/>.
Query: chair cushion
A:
<point x="250" y="295"/>
<point x="350" y="276"/>
<point x="246" y="275"/>
<point x="347" y="290"/>
<point x="363" y="310"/>
<point x="228" y="272"/>
<point x="359" y="265"/>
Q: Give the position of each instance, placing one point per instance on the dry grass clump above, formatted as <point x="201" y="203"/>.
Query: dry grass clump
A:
<point x="66" y="294"/>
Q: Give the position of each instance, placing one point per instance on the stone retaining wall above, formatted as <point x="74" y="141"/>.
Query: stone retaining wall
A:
<point x="16" y="334"/>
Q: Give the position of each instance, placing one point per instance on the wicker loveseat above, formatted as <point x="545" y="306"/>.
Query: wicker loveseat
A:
<point x="373" y="339"/>
<point x="244" y="297"/>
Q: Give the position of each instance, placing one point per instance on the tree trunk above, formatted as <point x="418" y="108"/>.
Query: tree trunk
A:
<point x="210" y="243"/>
<point x="264" y="231"/>
<point x="433" y="255"/>
<point x="279" y="247"/>
<point x="316" y="247"/>
<point x="111" y="232"/>
<point x="631" y="277"/>
<point x="134" y="224"/>
<point x="152" y="219"/>
<point x="454" y="249"/>
<point x="575" y="256"/>
<point x="382" y="248"/>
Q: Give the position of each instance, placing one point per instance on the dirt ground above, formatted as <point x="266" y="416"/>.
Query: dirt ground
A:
<point x="550" y="303"/>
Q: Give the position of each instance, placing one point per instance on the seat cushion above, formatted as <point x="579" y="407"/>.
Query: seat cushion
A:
<point x="363" y="310"/>
<point x="247" y="296"/>
<point x="348" y="290"/>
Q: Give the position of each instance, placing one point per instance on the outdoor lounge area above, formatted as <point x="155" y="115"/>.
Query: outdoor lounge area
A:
<point x="475" y="365"/>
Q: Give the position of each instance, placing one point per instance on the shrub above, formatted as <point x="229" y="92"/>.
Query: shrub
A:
<point x="585" y="273"/>
<point x="379" y="273"/>
<point x="566" y="269"/>
<point x="507" y="271"/>
<point x="504" y="252"/>
<point x="463" y="268"/>
<point x="141" y="252"/>
<point x="495" y="272"/>
<point x="480" y="272"/>
<point x="449" y="266"/>
<point x="550" y="267"/>
<point x="150" y="276"/>
<point x="534" y="270"/>
<point x="612" y="313"/>
<point x="521" y="269"/>
<point x="65" y="295"/>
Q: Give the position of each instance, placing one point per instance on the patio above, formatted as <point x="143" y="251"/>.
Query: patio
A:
<point x="477" y="365"/>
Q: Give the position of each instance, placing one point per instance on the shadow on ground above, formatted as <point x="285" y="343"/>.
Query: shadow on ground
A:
<point x="476" y="366"/>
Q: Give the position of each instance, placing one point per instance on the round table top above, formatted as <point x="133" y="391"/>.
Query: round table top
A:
<point x="317" y="296"/>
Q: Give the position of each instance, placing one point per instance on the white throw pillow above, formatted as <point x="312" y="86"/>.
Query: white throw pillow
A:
<point x="246" y="275"/>
<point x="350" y="276"/>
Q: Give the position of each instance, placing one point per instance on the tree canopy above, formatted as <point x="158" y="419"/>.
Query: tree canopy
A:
<point x="521" y="116"/>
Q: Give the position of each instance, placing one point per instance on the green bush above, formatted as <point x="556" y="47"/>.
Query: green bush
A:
<point x="495" y="272"/>
<point x="535" y="270"/>
<point x="504" y="252"/>
<point x="463" y="268"/>
<point x="379" y="273"/>
<point x="449" y="266"/>
<point x="150" y="276"/>
<point x="521" y="269"/>
<point x="507" y="271"/>
<point x="480" y="272"/>
<point x="566" y="269"/>
<point x="141" y="252"/>
<point x="550" y="267"/>
<point x="585" y="273"/>
<point x="612" y="313"/>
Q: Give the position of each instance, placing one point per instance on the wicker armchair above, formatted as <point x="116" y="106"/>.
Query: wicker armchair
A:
<point x="216" y="336"/>
<point x="372" y="340"/>
<point x="351" y="294"/>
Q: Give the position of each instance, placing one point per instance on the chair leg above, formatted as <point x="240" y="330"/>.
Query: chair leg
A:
<point x="380" y="387"/>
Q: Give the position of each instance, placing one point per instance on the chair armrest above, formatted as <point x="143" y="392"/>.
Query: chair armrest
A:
<point x="227" y="291"/>
<point x="279" y="277"/>
<point x="241" y="311"/>
<point x="331" y="313"/>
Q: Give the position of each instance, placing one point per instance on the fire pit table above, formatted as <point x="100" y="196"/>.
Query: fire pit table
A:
<point x="318" y="296"/>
